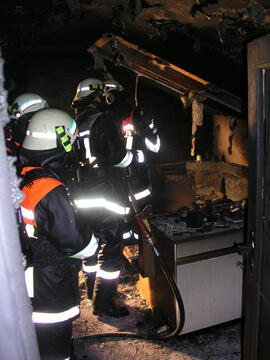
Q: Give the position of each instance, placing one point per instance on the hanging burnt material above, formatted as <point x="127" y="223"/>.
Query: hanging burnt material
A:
<point x="206" y="102"/>
<point x="125" y="54"/>
<point x="132" y="8"/>
<point x="197" y="117"/>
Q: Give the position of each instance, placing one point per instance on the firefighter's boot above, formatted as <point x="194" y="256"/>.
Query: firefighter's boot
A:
<point x="105" y="299"/>
<point x="90" y="279"/>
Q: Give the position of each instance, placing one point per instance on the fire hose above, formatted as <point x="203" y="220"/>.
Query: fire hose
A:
<point x="147" y="236"/>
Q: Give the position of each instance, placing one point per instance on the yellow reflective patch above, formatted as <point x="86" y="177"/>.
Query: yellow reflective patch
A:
<point x="64" y="138"/>
<point x="60" y="130"/>
<point x="97" y="86"/>
<point x="68" y="147"/>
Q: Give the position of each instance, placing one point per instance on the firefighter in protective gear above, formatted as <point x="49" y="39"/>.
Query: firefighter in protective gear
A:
<point x="20" y="112"/>
<point x="140" y="136"/>
<point x="112" y="90"/>
<point x="101" y="196"/>
<point x="146" y="142"/>
<point x="52" y="243"/>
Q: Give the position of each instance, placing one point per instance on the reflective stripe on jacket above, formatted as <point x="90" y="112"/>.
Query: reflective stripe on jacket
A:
<point x="104" y="189"/>
<point x="52" y="278"/>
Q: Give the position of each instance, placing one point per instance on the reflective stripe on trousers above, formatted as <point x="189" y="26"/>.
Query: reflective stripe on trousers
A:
<point x="52" y="318"/>
<point x="130" y="234"/>
<point x="47" y="318"/>
<point x="108" y="275"/>
<point x="90" y="268"/>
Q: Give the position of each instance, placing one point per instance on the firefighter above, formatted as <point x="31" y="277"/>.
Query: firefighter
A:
<point x="55" y="245"/>
<point x="113" y="91"/>
<point x="20" y="112"/>
<point x="101" y="197"/>
<point x="140" y="136"/>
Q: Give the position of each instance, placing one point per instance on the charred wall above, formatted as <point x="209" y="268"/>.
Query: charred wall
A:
<point x="230" y="139"/>
<point x="177" y="178"/>
<point x="217" y="171"/>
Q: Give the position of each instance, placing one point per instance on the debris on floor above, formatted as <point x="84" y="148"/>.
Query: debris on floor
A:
<point x="102" y="338"/>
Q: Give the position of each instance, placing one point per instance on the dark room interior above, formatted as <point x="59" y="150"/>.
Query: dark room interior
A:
<point x="191" y="63"/>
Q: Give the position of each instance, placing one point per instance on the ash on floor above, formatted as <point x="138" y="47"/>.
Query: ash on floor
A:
<point x="221" y="342"/>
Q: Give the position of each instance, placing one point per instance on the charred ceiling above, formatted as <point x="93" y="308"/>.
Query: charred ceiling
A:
<point x="205" y="37"/>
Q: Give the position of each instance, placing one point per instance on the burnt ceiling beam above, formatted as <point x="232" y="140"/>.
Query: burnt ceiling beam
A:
<point x="123" y="53"/>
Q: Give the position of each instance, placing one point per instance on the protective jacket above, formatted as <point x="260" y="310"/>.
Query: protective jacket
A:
<point x="53" y="249"/>
<point x="101" y="196"/>
<point x="140" y="136"/>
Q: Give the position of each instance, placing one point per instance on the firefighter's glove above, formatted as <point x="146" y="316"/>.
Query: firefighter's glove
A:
<point x="126" y="172"/>
<point x="139" y="156"/>
<point x="144" y="122"/>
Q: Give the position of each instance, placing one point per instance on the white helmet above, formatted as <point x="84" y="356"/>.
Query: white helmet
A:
<point x="50" y="129"/>
<point x="112" y="85"/>
<point x="112" y="90"/>
<point x="87" y="87"/>
<point x="26" y="103"/>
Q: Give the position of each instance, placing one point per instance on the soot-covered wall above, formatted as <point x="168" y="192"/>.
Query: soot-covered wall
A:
<point x="176" y="177"/>
<point x="52" y="76"/>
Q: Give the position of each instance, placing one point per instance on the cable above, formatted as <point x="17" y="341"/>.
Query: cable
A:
<point x="180" y="324"/>
<point x="147" y="235"/>
<point x="177" y="294"/>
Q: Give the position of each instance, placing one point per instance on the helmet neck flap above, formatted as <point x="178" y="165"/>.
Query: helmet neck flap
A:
<point x="53" y="159"/>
